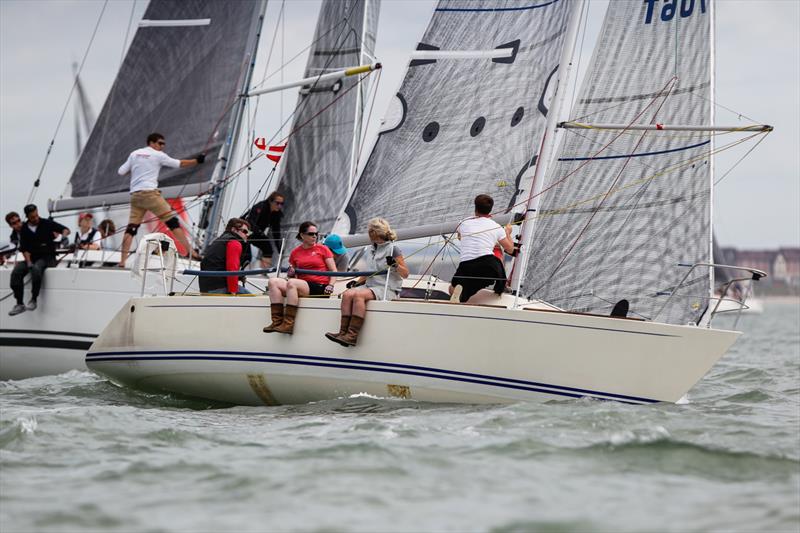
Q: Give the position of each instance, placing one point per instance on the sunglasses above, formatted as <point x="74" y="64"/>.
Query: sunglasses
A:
<point x="243" y="230"/>
<point x="161" y="143"/>
<point x="311" y="233"/>
<point x="277" y="203"/>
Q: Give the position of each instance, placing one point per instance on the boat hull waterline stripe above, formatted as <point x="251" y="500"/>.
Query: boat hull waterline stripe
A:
<point x="448" y="316"/>
<point x="371" y="366"/>
<point x="82" y="346"/>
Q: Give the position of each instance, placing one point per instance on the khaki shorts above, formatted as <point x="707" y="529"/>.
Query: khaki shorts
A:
<point x="144" y="201"/>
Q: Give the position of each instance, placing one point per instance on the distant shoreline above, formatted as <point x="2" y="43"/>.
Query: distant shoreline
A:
<point x="787" y="298"/>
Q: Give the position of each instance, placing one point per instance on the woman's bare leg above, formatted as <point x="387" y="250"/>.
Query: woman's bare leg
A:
<point x="277" y="290"/>
<point x="297" y="288"/>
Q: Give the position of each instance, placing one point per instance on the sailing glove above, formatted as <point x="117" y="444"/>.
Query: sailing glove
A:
<point x="290" y="273"/>
<point x="353" y="283"/>
<point x="390" y="261"/>
<point x="201" y="158"/>
<point x="329" y="289"/>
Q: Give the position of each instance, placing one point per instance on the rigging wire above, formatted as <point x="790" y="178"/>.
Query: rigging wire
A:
<point x="37" y="182"/>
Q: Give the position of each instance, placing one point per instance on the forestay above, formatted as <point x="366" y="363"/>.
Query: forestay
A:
<point x="178" y="78"/>
<point x="463" y="123"/>
<point x="622" y="209"/>
<point x="320" y="154"/>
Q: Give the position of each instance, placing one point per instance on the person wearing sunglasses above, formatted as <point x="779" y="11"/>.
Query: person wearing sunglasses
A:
<point x="144" y="165"/>
<point x="381" y="256"/>
<point x="310" y="255"/>
<point x="266" y="216"/>
<point x="228" y="252"/>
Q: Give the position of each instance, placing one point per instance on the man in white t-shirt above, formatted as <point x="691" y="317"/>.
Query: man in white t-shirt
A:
<point x="143" y="165"/>
<point x="479" y="267"/>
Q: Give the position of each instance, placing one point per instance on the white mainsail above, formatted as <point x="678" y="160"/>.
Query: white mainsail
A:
<point x="621" y="209"/>
<point x="470" y="114"/>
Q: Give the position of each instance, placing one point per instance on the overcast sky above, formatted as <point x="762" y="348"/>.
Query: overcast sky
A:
<point x="758" y="76"/>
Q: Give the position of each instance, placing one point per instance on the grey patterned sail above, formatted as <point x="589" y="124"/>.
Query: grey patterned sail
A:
<point x="317" y="165"/>
<point x="469" y="114"/>
<point x="621" y="209"/>
<point x="179" y="80"/>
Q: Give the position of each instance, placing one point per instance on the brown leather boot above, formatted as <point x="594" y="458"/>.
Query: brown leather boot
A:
<point x="351" y="337"/>
<point x="277" y="317"/>
<point x="342" y="330"/>
<point x="289" y="316"/>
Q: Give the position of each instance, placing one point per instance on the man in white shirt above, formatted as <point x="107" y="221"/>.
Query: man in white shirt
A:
<point x="143" y="165"/>
<point x="479" y="267"/>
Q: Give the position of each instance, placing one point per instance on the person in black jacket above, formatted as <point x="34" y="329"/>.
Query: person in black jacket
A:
<point x="15" y="223"/>
<point x="229" y="251"/>
<point x="38" y="246"/>
<point x="265" y="215"/>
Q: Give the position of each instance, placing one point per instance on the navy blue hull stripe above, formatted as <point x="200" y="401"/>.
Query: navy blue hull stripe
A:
<point x="448" y="315"/>
<point x="46" y="343"/>
<point x="625" y="156"/>
<point x="47" y="332"/>
<point x="395" y="368"/>
<point x="490" y="9"/>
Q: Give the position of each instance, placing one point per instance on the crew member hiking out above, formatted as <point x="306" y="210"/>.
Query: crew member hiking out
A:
<point x="479" y="267"/>
<point x="144" y="165"/>
<point x="228" y="252"/>
<point x="38" y="246"/>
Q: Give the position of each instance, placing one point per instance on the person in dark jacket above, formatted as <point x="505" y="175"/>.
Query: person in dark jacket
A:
<point x="38" y="246"/>
<point x="15" y="223"/>
<point x="229" y="251"/>
<point x="265" y="215"/>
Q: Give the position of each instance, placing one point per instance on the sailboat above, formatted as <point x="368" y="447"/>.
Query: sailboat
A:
<point x="618" y="212"/>
<point x="195" y="94"/>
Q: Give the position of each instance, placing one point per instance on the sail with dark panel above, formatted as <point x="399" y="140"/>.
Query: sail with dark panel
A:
<point x="318" y="163"/>
<point x="178" y="80"/>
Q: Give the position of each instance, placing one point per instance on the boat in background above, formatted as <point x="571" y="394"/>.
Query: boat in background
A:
<point x="215" y="44"/>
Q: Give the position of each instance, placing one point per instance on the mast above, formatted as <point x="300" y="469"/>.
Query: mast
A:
<point x="213" y="205"/>
<point x="548" y="142"/>
<point x="712" y="38"/>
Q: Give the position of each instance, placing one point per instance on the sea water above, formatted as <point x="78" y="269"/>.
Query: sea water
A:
<point x="78" y="453"/>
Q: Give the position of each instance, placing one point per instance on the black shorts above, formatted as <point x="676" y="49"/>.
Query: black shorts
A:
<point x="475" y="274"/>
<point x="316" y="289"/>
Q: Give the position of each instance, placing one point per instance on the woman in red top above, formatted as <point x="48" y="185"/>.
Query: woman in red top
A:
<point x="308" y="256"/>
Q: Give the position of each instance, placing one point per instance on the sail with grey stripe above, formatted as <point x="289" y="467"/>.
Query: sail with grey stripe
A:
<point x="318" y="163"/>
<point x="620" y="210"/>
<point x="463" y="126"/>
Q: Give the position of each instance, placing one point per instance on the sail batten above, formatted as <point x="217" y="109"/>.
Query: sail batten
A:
<point x="623" y="206"/>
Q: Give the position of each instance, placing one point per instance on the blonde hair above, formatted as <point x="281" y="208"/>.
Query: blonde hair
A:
<point x="381" y="227"/>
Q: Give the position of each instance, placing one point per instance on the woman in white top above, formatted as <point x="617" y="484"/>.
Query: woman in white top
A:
<point x="382" y="255"/>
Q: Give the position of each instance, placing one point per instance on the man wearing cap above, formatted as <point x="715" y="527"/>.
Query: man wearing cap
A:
<point x="144" y="165"/>
<point x="88" y="237"/>
<point x="334" y="242"/>
<point x="38" y="246"/>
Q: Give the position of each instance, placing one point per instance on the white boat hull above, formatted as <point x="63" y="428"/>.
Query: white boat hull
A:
<point x="214" y="348"/>
<point x="74" y="306"/>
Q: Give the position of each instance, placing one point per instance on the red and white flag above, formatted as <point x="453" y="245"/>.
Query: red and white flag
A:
<point x="274" y="153"/>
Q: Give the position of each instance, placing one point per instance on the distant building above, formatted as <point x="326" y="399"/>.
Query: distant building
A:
<point x="782" y="265"/>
